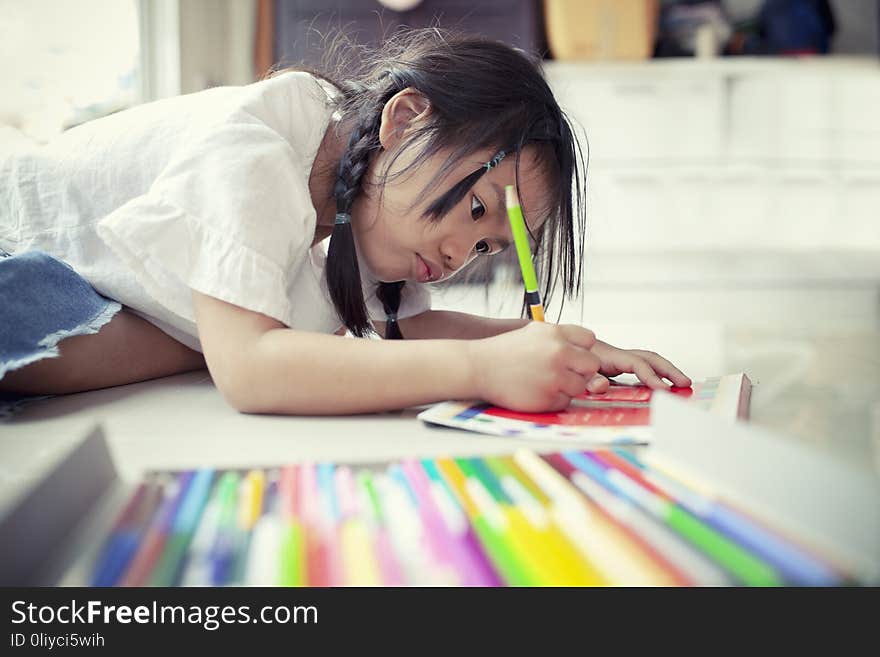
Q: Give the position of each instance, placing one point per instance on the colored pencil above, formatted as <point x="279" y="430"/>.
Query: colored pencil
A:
<point x="169" y="568"/>
<point x="510" y="557"/>
<point x="796" y="566"/>
<point x="263" y="565"/>
<point x="360" y="566"/>
<point x="317" y="567"/>
<point x="598" y="540"/>
<point x="150" y="548"/>
<point x="524" y="253"/>
<point x="222" y="554"/>
<point x="439" y="569"/>
<point x="250" y="507"/>
<point x="533" y="529"/>
<point x="657" y="537"/>
<point x="457" y="522"/>
<point x="575" y="518"/>
<point x="197" y="569"/>
<point x="125" y="537"/>
<point x="445" y="543"/>
<point x="328" y="523"/>
<point x="292" y="558"/>
<point x="406" y="533"/>
<point x="748" y="569"/>
<point x="389" y="564"/>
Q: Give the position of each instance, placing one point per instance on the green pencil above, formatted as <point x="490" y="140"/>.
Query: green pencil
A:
<point x="513" y="564"/>
<point x="292" y="554"/>
<point x="521" y="240"/>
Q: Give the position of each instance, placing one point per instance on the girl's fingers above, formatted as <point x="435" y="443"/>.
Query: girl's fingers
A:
<point x="664" y="368"/>
<point x="578" y="335"/>
<point x="598" y="384"/>
<point x="643" y="370"/>
<point x="582" y="361"/>
<point x="572" y="384"/>
<point x="560" y="402"/>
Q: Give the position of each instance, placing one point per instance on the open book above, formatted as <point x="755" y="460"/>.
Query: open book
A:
<point x="622" y="415"/>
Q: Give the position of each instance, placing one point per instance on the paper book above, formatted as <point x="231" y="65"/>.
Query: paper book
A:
<point x="622" y="415"/>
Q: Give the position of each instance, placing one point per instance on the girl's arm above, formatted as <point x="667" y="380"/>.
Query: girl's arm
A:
<point x="433" y="324"/>
<point x="648" y="366"/>
<point x="261" y="366"/>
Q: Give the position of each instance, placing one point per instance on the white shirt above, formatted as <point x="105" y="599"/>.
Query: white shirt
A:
<point x="205" y="192"/>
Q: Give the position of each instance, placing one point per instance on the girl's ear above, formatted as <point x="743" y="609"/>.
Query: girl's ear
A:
<point x="404" y="110"/>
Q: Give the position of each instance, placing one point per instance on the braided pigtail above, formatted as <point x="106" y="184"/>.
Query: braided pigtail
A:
<point x="389" y="295"/>
<point x="343" y="272"/>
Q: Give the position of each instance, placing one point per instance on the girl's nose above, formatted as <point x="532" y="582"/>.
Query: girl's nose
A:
<point x="458" y="251"/>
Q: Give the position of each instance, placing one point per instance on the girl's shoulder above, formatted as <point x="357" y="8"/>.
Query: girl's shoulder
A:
<point x="293" y="103"/>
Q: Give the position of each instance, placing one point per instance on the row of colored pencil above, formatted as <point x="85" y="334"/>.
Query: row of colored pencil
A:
<point x="571" y="518"/>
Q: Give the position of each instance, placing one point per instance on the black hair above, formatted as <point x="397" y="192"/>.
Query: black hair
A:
<point x="483" y="94"/>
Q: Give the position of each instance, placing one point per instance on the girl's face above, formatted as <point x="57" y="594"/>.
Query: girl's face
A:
<point x="399" y="243"/>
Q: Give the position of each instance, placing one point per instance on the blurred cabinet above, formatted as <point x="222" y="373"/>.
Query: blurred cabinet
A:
<point x="757" y="154"/>
<point x="632" y="117"/>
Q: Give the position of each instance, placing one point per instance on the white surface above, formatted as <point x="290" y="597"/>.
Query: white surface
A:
<point x="183" y="421"/>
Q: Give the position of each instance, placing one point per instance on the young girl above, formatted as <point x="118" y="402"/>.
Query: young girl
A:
<point x="204" y="217"/>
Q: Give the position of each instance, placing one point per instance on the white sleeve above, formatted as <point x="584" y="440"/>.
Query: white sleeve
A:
<point x="230" y="216"/>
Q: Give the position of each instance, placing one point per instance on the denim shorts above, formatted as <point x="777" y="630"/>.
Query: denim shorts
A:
<point x="43" y="301"/>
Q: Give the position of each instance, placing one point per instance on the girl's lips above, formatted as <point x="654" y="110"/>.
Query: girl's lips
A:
<point x="426" y="273"/>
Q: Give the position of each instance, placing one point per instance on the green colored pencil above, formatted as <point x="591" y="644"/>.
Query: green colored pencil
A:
<point x="524" y="253"/>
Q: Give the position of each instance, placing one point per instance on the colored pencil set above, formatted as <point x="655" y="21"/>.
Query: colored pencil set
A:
<point x="575" y="518"/>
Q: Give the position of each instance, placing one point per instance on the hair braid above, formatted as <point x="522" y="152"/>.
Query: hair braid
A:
<point x="389" y="295"/>
<point x="343" y="271"/>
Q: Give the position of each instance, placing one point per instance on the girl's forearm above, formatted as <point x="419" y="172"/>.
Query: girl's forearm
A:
<point x="301" y="373"/>
<point x="434" y="324"/>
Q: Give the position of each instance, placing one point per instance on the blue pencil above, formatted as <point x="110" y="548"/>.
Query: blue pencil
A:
<point x="327" y="488"/>
<point x="682" y="554"/>
<point x="168" y="570"/>
<point x="221" y="557"/>
<point x="747" y="567"/>
<point x="329" y="524"/>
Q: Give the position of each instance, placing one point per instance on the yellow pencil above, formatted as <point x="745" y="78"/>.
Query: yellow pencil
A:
<point x="532" y="528"/>
<point x="358" y="558"/>
<point x="553" y="554"/>
<point x="251" y="501"/>
<point x="598" y="539"/>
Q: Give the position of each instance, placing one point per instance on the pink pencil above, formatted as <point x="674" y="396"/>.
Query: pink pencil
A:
<point x="448" y="547"/>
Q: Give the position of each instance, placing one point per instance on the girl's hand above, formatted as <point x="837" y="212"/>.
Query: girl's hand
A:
<point x="536" y="368"/>
<point x="646" y="365"/>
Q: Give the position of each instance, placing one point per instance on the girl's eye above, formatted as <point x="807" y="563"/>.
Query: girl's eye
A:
<point x="477" y="208"/>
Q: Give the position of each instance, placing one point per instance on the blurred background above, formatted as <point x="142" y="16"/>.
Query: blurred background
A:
<point x="734" y="145"/>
